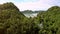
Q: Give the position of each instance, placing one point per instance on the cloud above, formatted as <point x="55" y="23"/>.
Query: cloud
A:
<point x="33" y="4"/>
<point x="39" y="5"/>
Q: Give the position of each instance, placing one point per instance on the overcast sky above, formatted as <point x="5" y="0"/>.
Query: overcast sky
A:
<point x="33" y="4"/>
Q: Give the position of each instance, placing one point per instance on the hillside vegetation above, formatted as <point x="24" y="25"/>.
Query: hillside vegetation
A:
<point x="12" y="21"/>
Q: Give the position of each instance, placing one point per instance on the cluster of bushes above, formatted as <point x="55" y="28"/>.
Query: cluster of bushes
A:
<point x="12" y="21"/>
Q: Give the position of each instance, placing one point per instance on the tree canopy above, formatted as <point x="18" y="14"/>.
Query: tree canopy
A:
<point x="12" y="21"/>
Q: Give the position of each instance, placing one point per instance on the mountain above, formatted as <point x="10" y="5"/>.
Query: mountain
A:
<point x="12" y="21"/>
<point x="30" y="11"/>
<point x="27" y="11"/>
<point x="50" y="20"/>
<point x="10" y="17"/>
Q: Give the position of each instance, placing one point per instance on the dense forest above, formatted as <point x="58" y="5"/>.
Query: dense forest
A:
<point x="13" y="21"/>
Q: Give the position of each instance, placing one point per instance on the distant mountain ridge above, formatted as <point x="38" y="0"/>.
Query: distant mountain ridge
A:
<point x="30" y="11"/>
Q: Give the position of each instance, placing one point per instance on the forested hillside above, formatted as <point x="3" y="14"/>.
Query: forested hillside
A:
<point x="12" y="21"/>
<point x="50" y="20"/>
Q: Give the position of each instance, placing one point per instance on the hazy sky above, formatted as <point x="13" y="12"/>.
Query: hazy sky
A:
<point x="33" y="4"/>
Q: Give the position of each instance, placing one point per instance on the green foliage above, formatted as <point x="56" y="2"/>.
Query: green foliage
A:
<point x="12" y="21"/>
<point x="50" y="20"/>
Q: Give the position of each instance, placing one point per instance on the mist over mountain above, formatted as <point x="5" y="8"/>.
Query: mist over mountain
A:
<point x="30" y="13"/>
